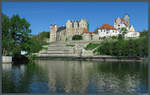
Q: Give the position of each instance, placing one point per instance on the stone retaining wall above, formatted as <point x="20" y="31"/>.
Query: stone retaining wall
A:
<point x="6" y="58"/>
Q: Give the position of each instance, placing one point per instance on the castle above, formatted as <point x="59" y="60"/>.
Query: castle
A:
<point x="120" y="25"/>
<point x="65" y="33"/>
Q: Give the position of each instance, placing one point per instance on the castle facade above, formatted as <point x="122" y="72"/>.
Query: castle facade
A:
<point x="64" y="33"/>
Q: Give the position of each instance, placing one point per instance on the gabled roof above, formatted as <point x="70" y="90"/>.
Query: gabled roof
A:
<point x="122" y="21"/>
<point x="87" y="32"/>
<point x="107" y="26"/>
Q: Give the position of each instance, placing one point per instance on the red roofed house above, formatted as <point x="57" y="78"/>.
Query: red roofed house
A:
<point x="107" y="30"/>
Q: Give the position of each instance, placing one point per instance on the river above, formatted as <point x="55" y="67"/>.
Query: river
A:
<point x="56" y="76"/>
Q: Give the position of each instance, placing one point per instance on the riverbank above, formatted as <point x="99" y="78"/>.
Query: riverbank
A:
<point x="98" y="58"/>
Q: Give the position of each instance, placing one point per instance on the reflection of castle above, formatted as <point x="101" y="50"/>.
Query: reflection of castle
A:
<point x="84" y="76"/>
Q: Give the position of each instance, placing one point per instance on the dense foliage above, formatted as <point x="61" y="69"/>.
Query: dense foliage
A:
<point x="77" y="37"/>
<point x="38" y="41"/>
<point x="15" y="33"/>
<point x="121" y="46"/>
<point x="16" y="36"/>
<point x="128" y="47"/>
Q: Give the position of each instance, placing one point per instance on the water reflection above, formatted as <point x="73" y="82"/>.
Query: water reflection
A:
<point x="47" y="76"/>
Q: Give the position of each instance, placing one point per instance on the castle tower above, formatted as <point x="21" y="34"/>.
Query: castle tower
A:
<point x="75" y="24"/>
<point x="69" y="27"/>
<point x="53" y="30"/>
<point x="75" y="28"/>
<point x="83" y="24"/>
<point x="69" y="24"/>
<point x="126" y="17"/>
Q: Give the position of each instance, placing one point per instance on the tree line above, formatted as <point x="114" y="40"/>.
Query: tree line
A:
<point x="119" y="46"/>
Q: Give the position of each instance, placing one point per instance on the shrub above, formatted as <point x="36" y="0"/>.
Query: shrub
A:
<point x="131" y="47"/>
<point x="91" y="46"/>
<point x="77" y="37"/>
<point x="114" y="37"/>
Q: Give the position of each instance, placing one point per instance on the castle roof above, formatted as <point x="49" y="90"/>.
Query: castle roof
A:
<point x="85" y="30"/>
<point x="107" y="26"/>
<point x="122" y="21"/>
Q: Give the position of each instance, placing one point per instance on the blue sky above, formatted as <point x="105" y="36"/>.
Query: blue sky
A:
<point x="41" y="14"/>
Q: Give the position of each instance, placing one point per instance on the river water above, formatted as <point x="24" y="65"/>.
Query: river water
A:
<point x="56" y="76"/>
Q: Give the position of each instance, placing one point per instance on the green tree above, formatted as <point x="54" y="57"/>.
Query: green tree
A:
<point x="124" y="31"/>
<point x="16" y="37"/>
<point x="15" y="33"/>
<point x="144" y="33"/>
<point x="20" y="33"/>
<point x="77" y="37"/>
<point x="114" y="37"/>
<point x="6" y="41"/>
<point x="120" y="37"/>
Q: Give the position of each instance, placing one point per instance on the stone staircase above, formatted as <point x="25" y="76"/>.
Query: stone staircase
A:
<point x="57" y="49"/>
<point x="65" y="49"/>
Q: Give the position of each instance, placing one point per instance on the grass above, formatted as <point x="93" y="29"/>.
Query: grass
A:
<point x="91" y="46"/>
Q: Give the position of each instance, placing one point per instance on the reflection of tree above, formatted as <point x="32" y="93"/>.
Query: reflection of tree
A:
<point x="19" y="77"/>
<point x="117" y="76"/>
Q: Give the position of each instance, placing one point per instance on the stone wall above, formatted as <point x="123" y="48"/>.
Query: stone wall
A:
<point x="6" y="59"/>
<point x="71" y="32"/>
<point x="53" y="30"/>
<point x="86" y="37"/>
<point x="95" y="37"/>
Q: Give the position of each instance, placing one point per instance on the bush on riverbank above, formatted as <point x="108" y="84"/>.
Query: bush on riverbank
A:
<point x="91" y="46"/>
<point x="131" y="47"/>
<point x="123" y="47"/>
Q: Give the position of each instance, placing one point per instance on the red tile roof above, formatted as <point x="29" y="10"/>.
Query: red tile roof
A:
<point x="107" y="26"/>
<point x="85" y="30"/>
